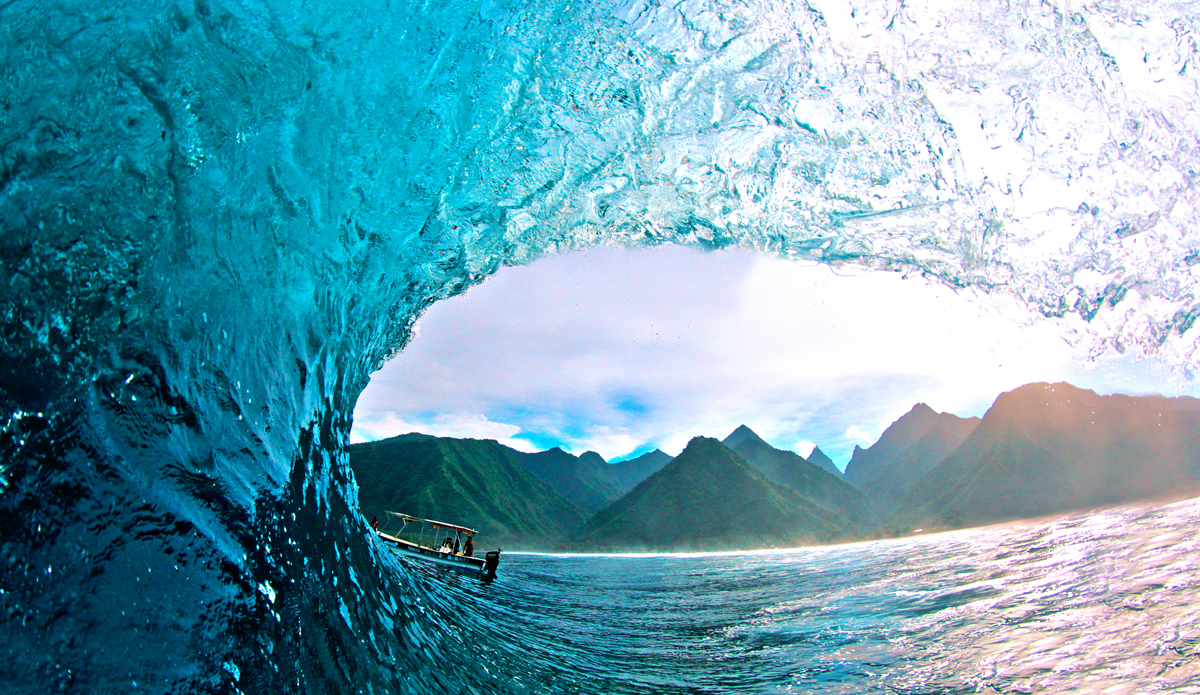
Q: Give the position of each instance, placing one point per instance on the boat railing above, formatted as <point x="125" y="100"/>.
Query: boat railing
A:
<point x="425" y="524"/>
<point x="405" y="542"/>
<point x="484" y="565"/>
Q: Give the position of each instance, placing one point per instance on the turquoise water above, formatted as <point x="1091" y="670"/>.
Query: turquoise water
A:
<point x="1108" y="602"/>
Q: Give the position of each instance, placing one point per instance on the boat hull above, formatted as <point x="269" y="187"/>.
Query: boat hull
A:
<point x="481" y="566"/>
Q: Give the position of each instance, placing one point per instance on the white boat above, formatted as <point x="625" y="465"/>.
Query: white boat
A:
<point x="452" y="552"/>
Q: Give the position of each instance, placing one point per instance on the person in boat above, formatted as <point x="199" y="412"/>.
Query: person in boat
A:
<point x="375" y="524"/>
<point x="469" y="548"/>
<point x="445" y="545"/>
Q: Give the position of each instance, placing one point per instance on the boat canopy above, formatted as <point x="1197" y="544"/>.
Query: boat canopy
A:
<point x="436" y="524"/>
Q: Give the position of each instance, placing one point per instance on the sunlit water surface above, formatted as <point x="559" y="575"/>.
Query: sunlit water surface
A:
<point x="1099" y="603"/>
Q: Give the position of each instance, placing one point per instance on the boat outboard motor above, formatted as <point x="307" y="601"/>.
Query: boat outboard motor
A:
<point x="490" y="560"/>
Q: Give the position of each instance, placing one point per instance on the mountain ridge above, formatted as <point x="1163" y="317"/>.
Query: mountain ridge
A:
<point x="707" y="498"/>
<point x="795" y="472"/>
<point x="1040" y="449"/>
<point x="908" y="449"/>
<point x="471" y="481"/>
<point x="1053" y="448"/>
<point x="583" y="479"/>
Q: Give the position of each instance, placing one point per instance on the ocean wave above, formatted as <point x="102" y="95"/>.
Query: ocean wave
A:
<point x="221" y="217"/>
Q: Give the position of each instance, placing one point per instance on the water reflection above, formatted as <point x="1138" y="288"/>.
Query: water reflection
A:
<point x="1107" y="602"/>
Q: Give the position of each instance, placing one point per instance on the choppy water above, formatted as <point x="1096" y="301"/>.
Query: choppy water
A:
<point x="1101" y="603"/>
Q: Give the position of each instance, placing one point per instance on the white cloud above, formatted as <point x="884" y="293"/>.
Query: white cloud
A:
<point x="614" y="349"/>
<point x="371" y="426"/>
<point x="607" y="441"/>
<point x="858" y="435"/>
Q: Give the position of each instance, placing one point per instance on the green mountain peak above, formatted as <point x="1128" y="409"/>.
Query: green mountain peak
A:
<point x="709" y="497"/>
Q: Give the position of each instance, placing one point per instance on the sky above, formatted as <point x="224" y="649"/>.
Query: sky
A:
<point x="621" y="351"/>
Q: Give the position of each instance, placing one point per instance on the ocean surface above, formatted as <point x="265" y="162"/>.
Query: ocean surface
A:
<point x="1107" y="602"/>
